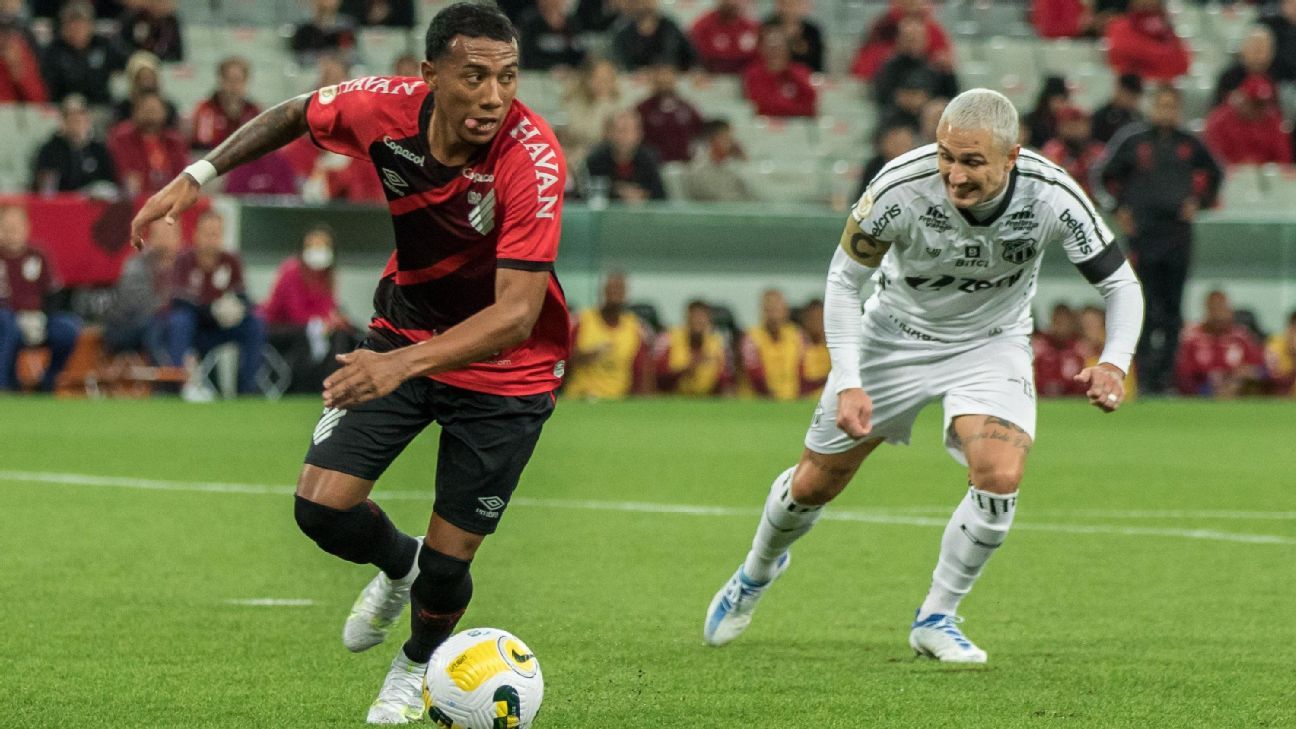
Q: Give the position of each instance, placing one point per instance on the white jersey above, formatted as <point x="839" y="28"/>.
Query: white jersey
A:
<point x="948" y="277"/>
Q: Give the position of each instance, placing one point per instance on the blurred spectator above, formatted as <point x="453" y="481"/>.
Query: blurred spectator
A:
<point x="1156" y="177"/>
<point x="270" y="174"/>
<point x="146" y="154"/>
<point x="385" y="13"/>
<point x="692" y="359"/>
<point x="889" y="141"/>
<point x="1219" y="357"/>
<point x="1248" y="128"/>
<point x="20" y="71"/>
<point x="593" y="99"/>
<point x="327" y="32"/>
<point x="136" y="319"/>
<point x="1093" y="333"/>
<point x="644" y="36"/>
<point x="1282" y="21"/>
<point x="714" y="175"/>
<point x="929" y="119"/>
<point x="28" y="317"/>
<point x="19" y="15"/>
<point x="78" y="61"/>
<point x="334" y="68"/>
<point x="791" y="16"/>
<point x="908" y="100"/>
<point x="304" y="321"/>
<point x="598" y="15"/>
<point x="142" y="77"/>
<point x="1255" y="59"/>
<point x="209" y="305"/>
<point x="1059" y="354"/>
<point x="1280" y="359"/>
<point x="777" y="85"/>
<point x="1062" y="18"/>
<point x="1074" y="149"/>
<point x="725" y="38"/>
<point x="1042" y="120"/>
<point x="816" y="363"/>
<point x="623" y="165"/>
<point x="880" y="42"/>
<point x="609" y="348"/>
<point x="152" y="25"/>
<point x="551" y="37"/>
<point x="227" y="109"/>
<point x="407" y="64"/>
<point x="73" y="159"/>
<point x="772" y="351"/>
<point x="1143" y="41"/>
<point x="910" y="64"/>
<point x="669" y="121"/>
<point x="338" y="177"/>
<point x="1121" y="110"/>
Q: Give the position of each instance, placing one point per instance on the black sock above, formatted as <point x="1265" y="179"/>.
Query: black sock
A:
<point x="438" y="598"/>
<point x="362" y="534"/>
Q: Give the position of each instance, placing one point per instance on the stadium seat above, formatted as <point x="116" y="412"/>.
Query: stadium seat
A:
<point x="1064" y="57"/>
<point x="777" y="138"/>
<point x="380" y="47"/>
<point x="1242" y="189"/>
<point x="791" y="181"/>
<point x="26" y="127"/>
<point x="673" y="174"/>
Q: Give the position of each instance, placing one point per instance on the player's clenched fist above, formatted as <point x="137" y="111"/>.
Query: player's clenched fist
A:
<point x="854" y="412"/>
<point x="1105" y="386"/>
<point x="169" y="202"/>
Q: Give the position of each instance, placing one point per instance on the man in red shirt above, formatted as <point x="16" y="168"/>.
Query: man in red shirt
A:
<point x="209" y="304"/>
<point x="1074" y="149"/>
<point x="1247" y="127"/>
<point x="880" y="42"/>
<point x="27" y="318"/>
<point x="1059" y="355"/>
<point x="229" y="108"/>
<point x="775" y="84"/>
<point x="669" y="121"/>
<point x="146" y="153"/>
<point x="1218" y="357"/>
<point x="470" y="330"/>
<point x="1143" y="42"/>
<point x="20" y="78"/>
<point x="725" y="39"/>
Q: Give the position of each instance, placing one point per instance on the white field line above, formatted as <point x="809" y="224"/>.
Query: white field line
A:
<point x="872" y="516"/>
<point x="270" y="602"/>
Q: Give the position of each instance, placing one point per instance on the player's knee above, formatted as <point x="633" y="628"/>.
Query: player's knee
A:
<point x="997" y="478"/>
<point x="813" y="485"/>
<point x="444" y="584"/>
<point x="328" y="528"/>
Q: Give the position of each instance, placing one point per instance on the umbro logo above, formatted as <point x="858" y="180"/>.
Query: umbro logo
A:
<point x="394" y="182"/>
<point x="493" y="505"/>
<point x="936" y="219"/>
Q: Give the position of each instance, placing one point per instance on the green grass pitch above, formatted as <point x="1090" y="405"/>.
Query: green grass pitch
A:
<point x="1149" y="581"/>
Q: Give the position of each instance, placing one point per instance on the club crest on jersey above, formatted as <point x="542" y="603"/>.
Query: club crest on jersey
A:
<point x="394" y="182"/>
<point x="1019" y="251"/>
<point x="482" y="215"/>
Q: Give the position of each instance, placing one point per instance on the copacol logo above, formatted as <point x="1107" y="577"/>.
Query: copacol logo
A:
<point x="493" y="505"/>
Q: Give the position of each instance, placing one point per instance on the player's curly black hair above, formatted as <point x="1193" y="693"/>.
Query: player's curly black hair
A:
<point x="470" y="19"/>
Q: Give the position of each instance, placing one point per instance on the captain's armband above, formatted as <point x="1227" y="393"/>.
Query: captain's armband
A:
<point x="861" y="246"/>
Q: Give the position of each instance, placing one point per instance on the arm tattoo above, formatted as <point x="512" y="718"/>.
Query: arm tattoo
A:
<point x="270" y="130"/>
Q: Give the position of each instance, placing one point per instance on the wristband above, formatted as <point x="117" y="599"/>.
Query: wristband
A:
<point x="202" y="171"/>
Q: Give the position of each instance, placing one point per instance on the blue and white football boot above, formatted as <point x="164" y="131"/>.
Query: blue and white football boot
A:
<point x="731" y="609"/>
<point x="938" y="636"/>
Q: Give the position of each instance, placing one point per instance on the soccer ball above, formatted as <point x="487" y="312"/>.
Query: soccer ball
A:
<point x="484" y="678"/>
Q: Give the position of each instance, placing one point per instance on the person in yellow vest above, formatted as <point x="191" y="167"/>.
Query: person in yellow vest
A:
<point x="772" y="351"/>
<point x="608" y="359"/>
<point x="692" y="359"/>
<point x="816" y="363"/>
<point x="1280" y="359"/>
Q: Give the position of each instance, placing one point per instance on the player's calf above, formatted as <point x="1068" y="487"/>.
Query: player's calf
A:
<point x="438" y="598"/>
<point x="362" y="534"/>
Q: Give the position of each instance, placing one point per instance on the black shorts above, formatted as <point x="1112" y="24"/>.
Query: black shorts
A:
<point x="486" y="441"/>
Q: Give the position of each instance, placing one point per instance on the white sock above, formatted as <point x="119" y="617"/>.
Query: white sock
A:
<point x="783" y="522"/>
<point x="977" y="528"/>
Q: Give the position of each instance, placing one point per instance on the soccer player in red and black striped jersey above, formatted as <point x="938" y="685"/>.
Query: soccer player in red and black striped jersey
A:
<point x="470" y="329"/>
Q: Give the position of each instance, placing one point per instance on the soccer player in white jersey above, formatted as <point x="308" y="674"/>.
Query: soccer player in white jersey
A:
<point x="952" y="234"/>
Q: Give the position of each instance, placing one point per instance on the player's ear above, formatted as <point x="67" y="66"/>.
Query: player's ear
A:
<point x="429" y="71"/>
<point x="1012" y="155"/>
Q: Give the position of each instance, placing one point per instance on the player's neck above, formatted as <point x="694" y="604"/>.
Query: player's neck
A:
<point x="445" y="145"/>
<point x="984" y="208"/>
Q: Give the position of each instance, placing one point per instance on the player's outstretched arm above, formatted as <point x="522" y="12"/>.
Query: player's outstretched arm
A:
<point x="366" y="375"/>
<point x="268" y="131"/>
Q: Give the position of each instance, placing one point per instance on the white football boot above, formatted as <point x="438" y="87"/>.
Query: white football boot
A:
<point x="731" y="609"/>
<point x="380" y="603"/>
<point x="402" y="699"/>
<point x="938" y="636"/>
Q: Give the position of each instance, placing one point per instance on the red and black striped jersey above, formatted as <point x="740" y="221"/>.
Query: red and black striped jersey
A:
<point x="456" y="225"/>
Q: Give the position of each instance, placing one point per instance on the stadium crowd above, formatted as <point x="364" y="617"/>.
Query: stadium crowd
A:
<point x="1135" y="153"/>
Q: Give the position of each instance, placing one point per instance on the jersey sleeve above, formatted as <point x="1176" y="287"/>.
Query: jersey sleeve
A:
<point x="532" y="194"/>
<point x="1088" y="242"/>
<point x="345" y="121"/>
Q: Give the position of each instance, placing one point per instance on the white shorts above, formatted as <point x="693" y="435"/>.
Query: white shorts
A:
<point x="901" y="374"/>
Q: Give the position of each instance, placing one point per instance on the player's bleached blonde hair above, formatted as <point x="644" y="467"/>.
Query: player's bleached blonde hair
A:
<point x="983" y="109"/>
